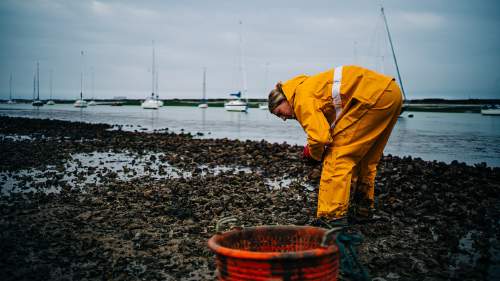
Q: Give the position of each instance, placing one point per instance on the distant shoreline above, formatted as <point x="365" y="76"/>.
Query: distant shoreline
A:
<point x="428" y="105"/>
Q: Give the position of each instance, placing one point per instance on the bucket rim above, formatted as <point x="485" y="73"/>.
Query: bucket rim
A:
<point x="214" y="245"/>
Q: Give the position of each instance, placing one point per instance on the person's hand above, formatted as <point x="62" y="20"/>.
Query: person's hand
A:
<point x="306" y="153"/>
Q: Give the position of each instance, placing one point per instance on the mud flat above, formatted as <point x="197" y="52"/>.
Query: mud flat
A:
<point x="91" y="202"/>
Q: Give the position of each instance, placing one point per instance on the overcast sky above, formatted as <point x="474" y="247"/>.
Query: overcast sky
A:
<point x="445" y="48"/>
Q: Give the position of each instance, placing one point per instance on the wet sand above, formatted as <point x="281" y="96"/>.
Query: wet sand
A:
<point x="90" y="202"/>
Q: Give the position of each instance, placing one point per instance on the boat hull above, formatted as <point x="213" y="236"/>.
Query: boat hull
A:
<point x="150" y="104"/>
<point x="490" y="111"/>
<point x="236" y="105"/>
<point x="37" y="103"/>
<point x="80" y="104"/>
<point x="202" y="105"/>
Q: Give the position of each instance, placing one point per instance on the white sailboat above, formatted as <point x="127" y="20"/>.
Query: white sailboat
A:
<point x="236" y="105"/>
<point x="239" y="104"/>
<point x="490" y="110"/>
<point x="152" y="102"/>
<point x="51" y="102"/>
<point x="204" y="103"/>
<point x="10" y="101"/>
<point x="81" y="103"/>
<point x="37" y="102"/>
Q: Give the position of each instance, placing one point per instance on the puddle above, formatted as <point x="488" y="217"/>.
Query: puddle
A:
<point x="285" y="182"/>
<point x="98" y="168"/>
<point x="494" y="251"/>
<point x="468" y="256"/>
<point x="15" y="137"/>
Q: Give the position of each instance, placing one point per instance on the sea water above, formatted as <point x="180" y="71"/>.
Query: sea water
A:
<point x="466" y="137"/>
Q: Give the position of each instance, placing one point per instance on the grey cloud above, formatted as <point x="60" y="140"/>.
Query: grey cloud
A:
<point x="440" y="45"/>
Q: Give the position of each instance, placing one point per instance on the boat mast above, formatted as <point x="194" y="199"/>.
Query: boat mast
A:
<point x="266" y="80"/>
<point x="156" y="84"/>
<point x="34" y="85"/>
<point x="37" y="81"/>
<point x="92" y="77"/>
<point x="393" y="54"/>
<point x="242" y="64"/>
<point x="50" y="84"/>
<point x="81" y="77"/>
<point x="10" y="87"/>
<point x="153" y="73"/>
<point x="204" y="84"/>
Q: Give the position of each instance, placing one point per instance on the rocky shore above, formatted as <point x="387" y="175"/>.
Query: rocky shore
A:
<point x="93" y="202"/>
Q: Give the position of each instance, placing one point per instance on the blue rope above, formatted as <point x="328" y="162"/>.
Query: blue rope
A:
<point x="349" y="263"/>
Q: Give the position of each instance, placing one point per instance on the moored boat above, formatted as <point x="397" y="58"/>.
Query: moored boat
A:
<point x="150" y="103"/>
<point x="236" y="105"/>
<point x="490" y="110"/>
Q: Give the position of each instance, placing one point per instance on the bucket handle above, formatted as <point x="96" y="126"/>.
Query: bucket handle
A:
<point x="223" y="221"/>
<point x="328" y="233"/>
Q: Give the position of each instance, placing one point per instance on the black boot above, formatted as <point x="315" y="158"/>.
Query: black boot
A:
<point x="330" y="222"/>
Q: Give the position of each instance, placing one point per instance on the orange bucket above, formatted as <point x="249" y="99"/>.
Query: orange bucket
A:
<point x="275" y="253"/>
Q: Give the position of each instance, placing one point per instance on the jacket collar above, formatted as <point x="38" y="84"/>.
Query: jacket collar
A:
<point x="290" y="86"/>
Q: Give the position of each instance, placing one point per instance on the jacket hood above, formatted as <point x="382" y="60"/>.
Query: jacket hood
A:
<point x="290" y="86"/>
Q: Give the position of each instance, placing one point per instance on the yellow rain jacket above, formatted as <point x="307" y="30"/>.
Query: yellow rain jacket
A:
<point x="346" y="145"/>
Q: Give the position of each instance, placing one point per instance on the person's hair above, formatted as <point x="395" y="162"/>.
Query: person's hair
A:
<point x="276" y="97"/>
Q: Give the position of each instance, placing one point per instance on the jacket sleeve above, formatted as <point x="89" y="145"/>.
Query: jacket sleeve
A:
<point x="314" y="124"/>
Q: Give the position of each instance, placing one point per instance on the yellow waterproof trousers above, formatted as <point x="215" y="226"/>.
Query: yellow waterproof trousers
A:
<point x="359" y="138"/>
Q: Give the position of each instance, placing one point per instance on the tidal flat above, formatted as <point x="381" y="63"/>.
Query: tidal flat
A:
<point x="93" y="202"/>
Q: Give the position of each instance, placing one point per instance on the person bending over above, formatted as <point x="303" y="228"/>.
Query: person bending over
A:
<point x="348" y="114"/>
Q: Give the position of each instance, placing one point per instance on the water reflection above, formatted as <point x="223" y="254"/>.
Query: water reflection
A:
<point x="154" y="119"/>
<point x="399" y="134"/>
<point x="203" y="118"/>
<point x="235" y="118"/>
<point x="82" y="115"/>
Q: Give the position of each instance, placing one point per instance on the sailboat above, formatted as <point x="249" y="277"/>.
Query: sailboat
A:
<point x="236" y="104"/>
<point x="239" y="104"/>
<point x="81" y="103"/>
<point x="51" y="102"/>
<point x="10" y="101"/>
<point x="92" y="102"/>
<point x="37" y="102"/>
<point x="405" y="106"/>
<point x="152" y="102"/>
<point x="204" y="103"/>
<point x="491" y="109"/>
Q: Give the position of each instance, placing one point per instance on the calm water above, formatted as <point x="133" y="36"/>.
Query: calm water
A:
<point x="466" y="137"/>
